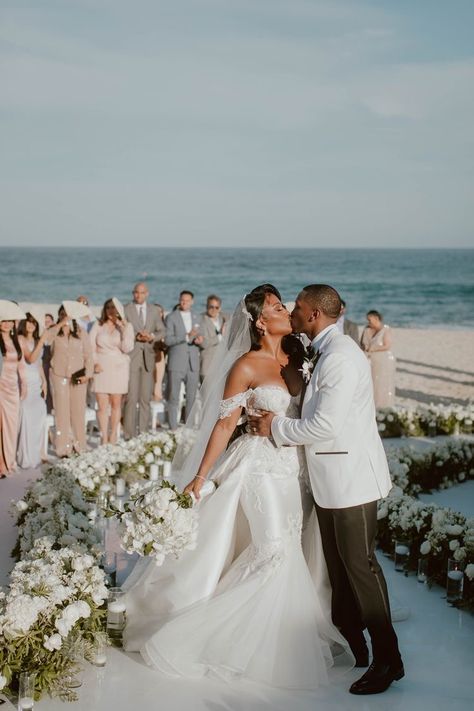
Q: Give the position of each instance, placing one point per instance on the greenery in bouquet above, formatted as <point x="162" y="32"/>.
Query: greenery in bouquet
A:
<point x="157" y="521"/>
<point x="55" y="607"/>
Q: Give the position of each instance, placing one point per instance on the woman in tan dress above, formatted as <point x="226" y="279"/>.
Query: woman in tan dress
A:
<point x="13" y="386"/>
<point x="71" y="367"/>
<point x="376" y="341"/>
<point x="112" y="338"/>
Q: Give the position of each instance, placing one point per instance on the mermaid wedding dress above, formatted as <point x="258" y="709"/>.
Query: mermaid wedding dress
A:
<point x="246" y="602"/>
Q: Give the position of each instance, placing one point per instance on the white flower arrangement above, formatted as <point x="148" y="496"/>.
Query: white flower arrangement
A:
<point x="130" y="460"/>
<point x="158" y="521"/>
<point x="55" y="597"/>
<point x="401" y="421"/>
<point x="432" y="530"/>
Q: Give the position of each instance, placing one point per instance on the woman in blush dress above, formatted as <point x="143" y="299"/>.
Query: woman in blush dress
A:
<point x="33" y="407"/>
<point x="112" y="338"/>
<point x="376" y="341"/>
<point x="13" y="386"/>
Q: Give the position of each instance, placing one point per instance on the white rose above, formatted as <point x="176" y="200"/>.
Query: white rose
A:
<point x="21" y="505"/>
<point x="470" y="571"/>
<point x="454" y="530"/>
<point x="425" y="548"/>
<point x="453" y="545"/>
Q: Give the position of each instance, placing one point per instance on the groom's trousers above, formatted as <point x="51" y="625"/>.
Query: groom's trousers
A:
<point x="359" y="591"/>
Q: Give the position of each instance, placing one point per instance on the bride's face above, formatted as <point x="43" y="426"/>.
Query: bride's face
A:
<point x="275" y="318"/>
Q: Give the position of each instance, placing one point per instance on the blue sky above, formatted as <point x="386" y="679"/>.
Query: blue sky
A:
<point x="237" y="123"/>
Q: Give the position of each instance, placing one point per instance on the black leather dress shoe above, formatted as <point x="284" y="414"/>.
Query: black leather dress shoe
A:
<point x="378" y="678"/>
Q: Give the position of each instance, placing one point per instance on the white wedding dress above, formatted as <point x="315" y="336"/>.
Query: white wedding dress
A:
<point x="246" y="602"/>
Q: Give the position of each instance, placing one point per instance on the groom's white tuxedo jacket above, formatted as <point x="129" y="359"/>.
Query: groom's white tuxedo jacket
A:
<point x="346" y="460"/>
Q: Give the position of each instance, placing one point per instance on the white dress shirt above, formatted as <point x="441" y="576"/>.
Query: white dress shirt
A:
<point x="188" y="322"/>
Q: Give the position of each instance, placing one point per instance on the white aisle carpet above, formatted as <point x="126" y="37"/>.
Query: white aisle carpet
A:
<point x="437" y="644"/>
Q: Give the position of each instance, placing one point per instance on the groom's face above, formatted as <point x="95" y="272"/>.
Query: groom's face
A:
<point x="301" y="316"/>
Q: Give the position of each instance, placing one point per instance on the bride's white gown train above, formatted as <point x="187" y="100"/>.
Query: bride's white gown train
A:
<point x="244" y="603"/>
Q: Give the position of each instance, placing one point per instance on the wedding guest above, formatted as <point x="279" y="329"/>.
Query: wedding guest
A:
<point x="184" y="341"/>
<point x="13" y="385"/>
<point x="71" y="368"/>
<point x="212" y="329"/>
<point x="33" y="407"/>
<point x="148" y="327"/>
<point x="112" y="338"/>
<point x="347" y="327"/>
<point x="48" y="322"/>
<point x="159" y="346"/>
<point x="376" y="341"/>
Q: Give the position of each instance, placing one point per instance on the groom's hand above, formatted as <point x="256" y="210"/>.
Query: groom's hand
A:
<point x="260" y="424"/>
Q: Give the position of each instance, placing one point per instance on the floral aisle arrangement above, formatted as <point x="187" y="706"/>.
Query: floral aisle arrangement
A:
<point x="55" y="506"/>
<point x="430" y="530"/>
<point x="97" y="469"/>
<point x="425" y="421"/>
<point x="157" y="521"/>
<point x="53" y="609"/>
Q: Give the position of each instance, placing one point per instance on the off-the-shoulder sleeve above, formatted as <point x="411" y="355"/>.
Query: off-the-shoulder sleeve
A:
<point x="231" y="403"/>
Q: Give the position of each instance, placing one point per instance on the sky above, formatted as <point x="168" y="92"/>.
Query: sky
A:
<point x="325" y="123"/>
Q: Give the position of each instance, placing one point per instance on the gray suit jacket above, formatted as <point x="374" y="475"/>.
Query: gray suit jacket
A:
<point x="351" y="329"/>
<point x="182" y="356"/>
<point x="143" y="352"/>
<point x="210" y="343"/>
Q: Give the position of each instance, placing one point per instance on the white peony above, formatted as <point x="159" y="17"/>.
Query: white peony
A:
<point x="454" y="545"/>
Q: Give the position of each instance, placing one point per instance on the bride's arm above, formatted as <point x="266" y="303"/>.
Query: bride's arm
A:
<point x="238" y="382"/>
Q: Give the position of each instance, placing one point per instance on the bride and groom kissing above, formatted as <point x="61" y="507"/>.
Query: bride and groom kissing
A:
<point x="294" y="510"/>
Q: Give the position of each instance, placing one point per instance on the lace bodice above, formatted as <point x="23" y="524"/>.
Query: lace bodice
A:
<point x="265" y="397"/>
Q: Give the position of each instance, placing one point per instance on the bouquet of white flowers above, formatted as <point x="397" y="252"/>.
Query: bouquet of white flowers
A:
<point x="158" y="521"/>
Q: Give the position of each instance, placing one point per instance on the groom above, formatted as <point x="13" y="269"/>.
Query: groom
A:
<point x="349" y="473"/>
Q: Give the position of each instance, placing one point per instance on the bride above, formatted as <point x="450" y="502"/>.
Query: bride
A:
<point x="246" y="602"/>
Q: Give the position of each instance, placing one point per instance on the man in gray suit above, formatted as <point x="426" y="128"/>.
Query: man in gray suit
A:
<point x="346" y="327"/>
<point x="183" y="339"/>
<point x="148" y="327"/>
<point x="212" y="329"/>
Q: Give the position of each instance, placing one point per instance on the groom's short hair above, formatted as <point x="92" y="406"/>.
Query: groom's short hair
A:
<point x="324" y="298"/>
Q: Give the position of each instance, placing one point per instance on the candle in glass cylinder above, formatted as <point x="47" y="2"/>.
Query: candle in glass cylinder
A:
<point x="120" y="487"/>
<point x="154" y="472"/>
<point x="166" y="470"/>
<point x="26" y="703"/>
<point x="116" y="606"/>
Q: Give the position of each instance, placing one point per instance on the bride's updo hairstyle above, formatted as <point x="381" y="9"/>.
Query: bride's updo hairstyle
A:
<point x="324" y="298"/>
<point x="254" y="302"/>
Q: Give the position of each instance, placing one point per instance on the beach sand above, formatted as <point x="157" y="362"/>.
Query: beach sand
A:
<point x="432" y="365"/>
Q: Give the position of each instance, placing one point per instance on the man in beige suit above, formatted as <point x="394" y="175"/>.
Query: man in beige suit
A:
<point x="148" y="327"/>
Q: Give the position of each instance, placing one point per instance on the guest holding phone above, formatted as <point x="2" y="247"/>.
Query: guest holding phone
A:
<point x="112" y="338"/>
<point x="33" y="407"/>
<point x="13" y="386"/>
<point x="71" y="367"/>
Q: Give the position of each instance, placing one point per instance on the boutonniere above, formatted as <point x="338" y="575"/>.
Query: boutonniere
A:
<point x="308" y="366"/>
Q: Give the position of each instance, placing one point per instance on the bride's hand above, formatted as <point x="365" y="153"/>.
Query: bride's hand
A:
<point x="195" y="486"/>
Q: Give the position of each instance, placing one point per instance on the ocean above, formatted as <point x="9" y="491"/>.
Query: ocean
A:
<point x="426" y="288"/>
